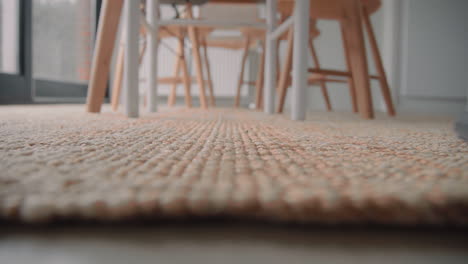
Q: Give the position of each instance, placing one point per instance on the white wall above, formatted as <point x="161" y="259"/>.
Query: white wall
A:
<point x="436" y="44"/>
<point x="9" y="36"/>
<point x="434" y="63"/>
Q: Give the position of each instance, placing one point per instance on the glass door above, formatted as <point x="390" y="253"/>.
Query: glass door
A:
<point x="62" y="42"/>
<point x="14" y="73"/>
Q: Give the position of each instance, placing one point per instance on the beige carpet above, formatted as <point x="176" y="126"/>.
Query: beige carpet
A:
<point x="57" y="162"/>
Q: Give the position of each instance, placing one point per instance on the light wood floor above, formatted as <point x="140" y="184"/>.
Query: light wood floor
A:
<point x="228" y="243"/>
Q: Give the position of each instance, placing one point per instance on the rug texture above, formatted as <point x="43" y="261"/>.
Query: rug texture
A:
<point x="58" y="162"/>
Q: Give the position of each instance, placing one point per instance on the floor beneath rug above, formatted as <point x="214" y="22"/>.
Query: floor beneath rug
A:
<point x="228" y="243"/>
<point x="58" y="162"/>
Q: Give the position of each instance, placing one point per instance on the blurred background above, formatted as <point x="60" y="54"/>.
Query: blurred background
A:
<point x="46" y="48"/>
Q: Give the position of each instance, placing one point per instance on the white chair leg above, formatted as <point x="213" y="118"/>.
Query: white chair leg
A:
<point x="152" y="7"/>
<point x="299" y="72"/>
<point x="131" y="31"/>
<point x="269" y="87"/>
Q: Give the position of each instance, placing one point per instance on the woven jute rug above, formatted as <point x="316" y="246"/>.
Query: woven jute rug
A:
<point x="58" y="162"/>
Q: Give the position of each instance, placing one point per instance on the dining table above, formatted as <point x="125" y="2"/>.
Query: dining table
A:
<point x="112" y="11"/>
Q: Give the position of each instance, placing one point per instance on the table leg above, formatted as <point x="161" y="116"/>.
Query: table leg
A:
<point x="299" y="70"/>
<point x="107" y="32"/>
<point x="131" y="31"/>
<point x="152" y="9"/>
<point x="270" y="58"/>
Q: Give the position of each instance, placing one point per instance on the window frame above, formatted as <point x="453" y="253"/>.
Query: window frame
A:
<point x="22" y="88"/>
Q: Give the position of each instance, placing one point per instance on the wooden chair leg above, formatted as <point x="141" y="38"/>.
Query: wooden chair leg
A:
<point x="357" y="50"/>
<point x="173" y="93"/>
<point x="208" y="75"/>
<point x="259" y="81"/>
<point x="278" y="61"/>
<point x="286" y="72"/>
<point x="140" y="62"/>
<point x="352" y="89"/>
<point x="171" y="99"/>
<point x="193" y="35"/>
<point x="118" y="76"/>
<point x="117" y="85"/>
<point x="241" y="75"/>
<point x="323" y="86"/>
<point x="378" y="62"/>
<point x="142" y="53"/>
<point x="107" y="32"/>
<point x="187" y="79"/>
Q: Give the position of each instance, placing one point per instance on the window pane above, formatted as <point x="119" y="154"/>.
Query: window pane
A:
<point x="63" y="33"/>
<point x="9" y="21"/>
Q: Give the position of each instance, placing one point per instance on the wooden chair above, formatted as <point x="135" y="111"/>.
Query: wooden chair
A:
<point x="252" y="36"/>
<point x="336" y="10"/>
<point x="285" y="74"/>
<point x="119" y="68"/>
<point x="180" y="33"/>
<point x="181" y="64"/>
<point x="248" y="39"/>
<point x="259" y="34"/>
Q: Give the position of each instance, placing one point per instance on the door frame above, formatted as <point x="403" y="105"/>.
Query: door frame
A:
<point x="22" y="88"/>
<point x="16" y="88"/>
<point x="395" y="34"/>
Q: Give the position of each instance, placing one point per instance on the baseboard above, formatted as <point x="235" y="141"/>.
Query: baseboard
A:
<point x="461" y="126"/>
<point x="433" y="106"/>
<point x="221" y="101"/>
